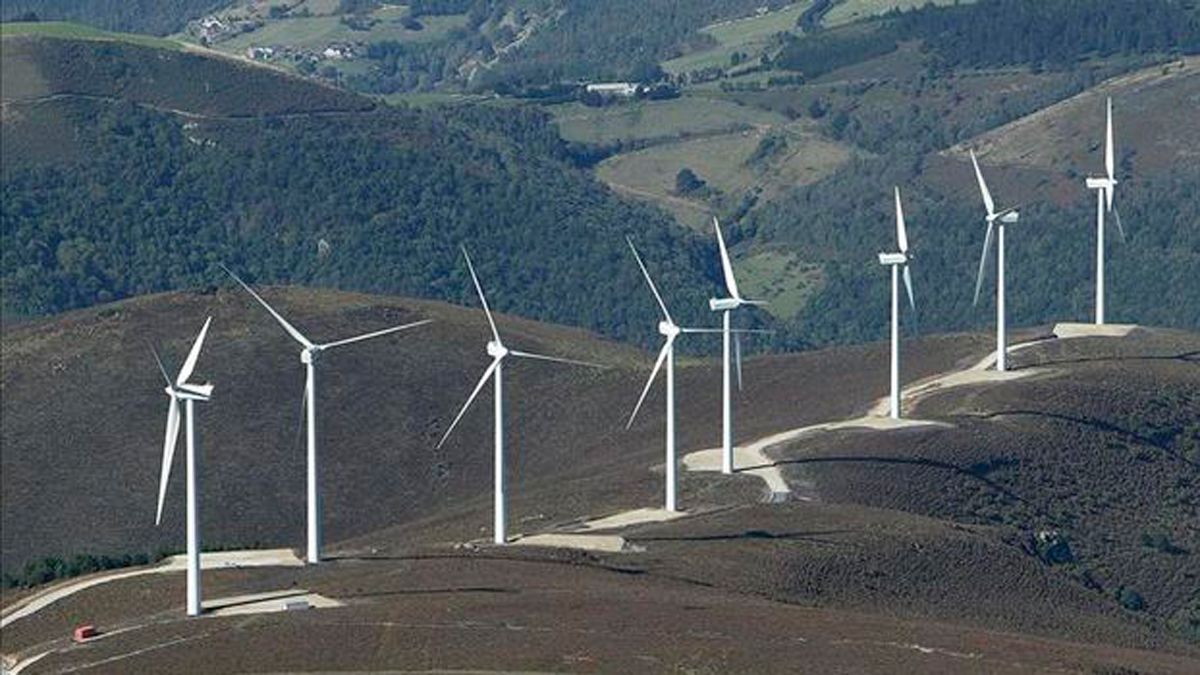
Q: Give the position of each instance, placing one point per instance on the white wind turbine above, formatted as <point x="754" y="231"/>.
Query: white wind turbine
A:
<point x="726" y="307"/>
<point x="309" y="353"/>
<point x="895" y="261"/>
<point x="181" y="390"/>
<point x="670" y="330"/>
<point x="497" y="350"/>
<point x="1005" y="217"/>
<point x="1104" y="186"/>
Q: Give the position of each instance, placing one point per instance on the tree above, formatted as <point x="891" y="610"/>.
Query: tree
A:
<point x="687" y="182"/>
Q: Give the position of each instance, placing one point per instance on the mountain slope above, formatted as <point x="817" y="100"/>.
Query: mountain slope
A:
<point x="137" y="170"/>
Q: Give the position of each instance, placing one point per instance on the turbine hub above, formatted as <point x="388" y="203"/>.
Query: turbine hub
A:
<point x="309" y="355"/>
<point x="496" y="350"/>
<point x="668" y="329"/>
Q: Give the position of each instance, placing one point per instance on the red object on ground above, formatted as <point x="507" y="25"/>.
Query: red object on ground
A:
<point x="85" y="633"/>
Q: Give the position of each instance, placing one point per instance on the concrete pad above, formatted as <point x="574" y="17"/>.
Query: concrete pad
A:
<point x="881" y="423"/>
<point x="263" y="603"/>
<point x="750" y="457"/>
<point x="626" y="519"/>
<point x="276" y="557"/>
<point x="607" y="543"/>
<point x="1076" y="330"/>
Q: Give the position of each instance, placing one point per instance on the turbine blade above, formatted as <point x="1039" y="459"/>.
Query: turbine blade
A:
<point x="983" y="188"/>
<point x="912" y="303"/>
<point x="479" y="289"/>
<point x="901" y="231"/>
<point x="1109" y="158"/>
<point x="291" y="330"/>
<point x="168" y="455"/>
<point x="721" y="330"/>
<point x="470" y="399"/>
<point x="726" y="265"/>
<point x="161" y="368"/>
<point x="737" y="357"/>
<point x="378" y="333"/>
<point x="662" y="356"/>
<point x="1120" y="228"/>
<point x="653" y="289"/>
<point x="190" y="364"/>
<point x="555" y="359"/>
<point x="987" y="247"/>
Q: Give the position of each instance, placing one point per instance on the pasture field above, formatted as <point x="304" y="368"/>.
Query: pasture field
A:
<point x="849" y="11"/>
<point x="781" y="278"/>
<point x="651" y="120"/>
<point x="75" y="31"/>
<point x="749" y="36"/>
<point x="318" y="31"/>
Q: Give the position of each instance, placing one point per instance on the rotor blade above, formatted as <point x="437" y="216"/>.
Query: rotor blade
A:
<point x="1109" y="159"/>
<point x="291" y="330"/>
<point x="662" y="356"/>
<point x="479" y="289"/>
<point x="721" y="330"/>
<point x="726" y="265"/>
<point x="555" y="359"/>
<point x="300" y="419"/>
<point x="653" y="288"/>
<point x="901" y="231"/>
<point x="756" y="303"/>
<point x="987" y="246"/>
<point x="161" y="368"/>
<point x="1120" y="228"/>
<point x="737" y="357"/>
<point x="983" y="189"/>
<point x="483" y="380"/>
<point x="190" y="364"/>
<point x="374" y="334"/>
<point x="168" y="455"/>
<point x="912" y="303"/>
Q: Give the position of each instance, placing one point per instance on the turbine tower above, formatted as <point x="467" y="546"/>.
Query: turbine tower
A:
<point x="669" y="330"/>
<point x="498" y="352"/>
<point x="310" y="353"/>
<point x="180" y="390"/>
<point x="896" y="261"/>
<point x="1005" y="217"/>
<point x="1104" y="186"/>
<point x="726" y="306"/>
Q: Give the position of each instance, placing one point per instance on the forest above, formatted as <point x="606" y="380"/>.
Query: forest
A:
<point x="376" y="202"/>
<point x="156" y="17"/>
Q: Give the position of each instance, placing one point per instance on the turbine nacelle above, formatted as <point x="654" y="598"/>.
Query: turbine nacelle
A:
<point x="194" y="392"/>
<point x="893" y="259"/>
<point x="496" y="350"/>
<point x="725" y="304"/>
<point x="668" y="329"/>
<point x="309" y="355"/>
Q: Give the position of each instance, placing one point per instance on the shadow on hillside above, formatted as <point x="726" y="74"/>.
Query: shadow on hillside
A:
<point x="1099" y="425"/>
<point x="749" y="535"/>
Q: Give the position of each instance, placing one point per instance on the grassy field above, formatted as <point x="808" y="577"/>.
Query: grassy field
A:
<point x="75" y="31"/>
<point x="648" y="120"/>
<point x="749" y="36"/>
<point x="724" y="162"/>
<point x="781" y="278"/>
<point x="318" y="31"/>
<point x="849" y="11"/>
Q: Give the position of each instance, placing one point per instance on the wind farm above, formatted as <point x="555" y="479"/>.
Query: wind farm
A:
<point x="738" y="408"/>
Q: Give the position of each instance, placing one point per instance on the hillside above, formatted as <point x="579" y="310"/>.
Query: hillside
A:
<point x="925" y="536"/>
<point x="131" y="170"/>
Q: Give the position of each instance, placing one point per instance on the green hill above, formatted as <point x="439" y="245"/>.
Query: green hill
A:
<point x="131" y="170"/>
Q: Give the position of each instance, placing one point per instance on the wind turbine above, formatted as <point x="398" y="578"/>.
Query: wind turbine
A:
<point x="178" y="390"/>
<point x="497" y="350"/>
<point x="1005" y="217"/>
<point x="726" y="306"/>
<point x="669" y="330"/>
<point x="895" y="261"/>
<point x="309" y="355"/>
<point x="1104" y="186"/>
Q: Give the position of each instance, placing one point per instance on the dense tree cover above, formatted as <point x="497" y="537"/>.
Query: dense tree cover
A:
<point x="1051" y="33"/>
<point x="615" y="39"/>
<point x="990" y="33"/>
<point x="371" y="201"/>
<point x="848" y="218"/>
<point x="157" y="17"/>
